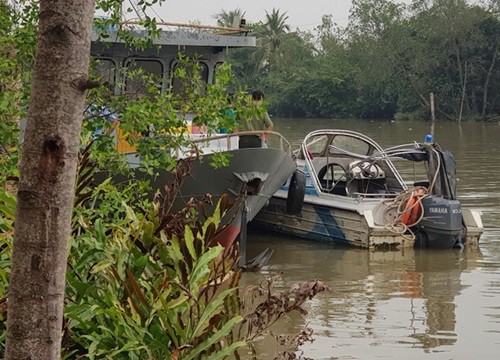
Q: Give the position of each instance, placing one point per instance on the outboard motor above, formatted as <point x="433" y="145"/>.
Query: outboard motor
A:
<point x="441" y="226"/>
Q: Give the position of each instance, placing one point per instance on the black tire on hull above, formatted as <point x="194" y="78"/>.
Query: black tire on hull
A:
<point x="296" y="193"/>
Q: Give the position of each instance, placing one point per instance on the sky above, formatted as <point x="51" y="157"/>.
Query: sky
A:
<point x="305" y="14"/>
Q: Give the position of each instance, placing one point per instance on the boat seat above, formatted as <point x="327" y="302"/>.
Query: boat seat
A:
<point x="367" y="186"/>
<point x="339" y="189"/>
<point x="366" y="178"/>
<point x="365" y="170"/>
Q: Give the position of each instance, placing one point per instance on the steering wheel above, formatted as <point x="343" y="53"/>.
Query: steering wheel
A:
<point x="366" y="169"/>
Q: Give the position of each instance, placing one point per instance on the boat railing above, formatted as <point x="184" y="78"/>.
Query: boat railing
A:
<point x="221" y="30"/>
<point x="312" y="171"/>
<point x="321" y="189"/>
<point x="380" y="154"/>
<point x="224" y="142"/>
<point x="284" y="144"/>
<point x="373" y="195"/>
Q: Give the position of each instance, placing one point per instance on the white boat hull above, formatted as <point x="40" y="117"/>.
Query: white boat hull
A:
<point x="348" y="222"/>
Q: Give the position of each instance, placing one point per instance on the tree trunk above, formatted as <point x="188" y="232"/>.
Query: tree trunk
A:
<point x="462" y="71"/>
<point x="487" y="84"/>
<point x="46" y="187"/>
<point x="464" y="89"/>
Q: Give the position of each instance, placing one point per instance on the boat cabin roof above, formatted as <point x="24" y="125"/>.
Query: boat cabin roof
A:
<point x="182" y="38"/>
<point x="207" y="49"/>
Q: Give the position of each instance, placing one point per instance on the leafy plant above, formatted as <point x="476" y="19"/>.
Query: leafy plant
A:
<point x="142" y="281"/>
<point x="146" y="295"/>
<point x="7" y="215"/>
<point x="145" y="282"/>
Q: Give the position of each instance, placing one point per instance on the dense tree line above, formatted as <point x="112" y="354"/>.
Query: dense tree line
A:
<point x="383" y="64"/>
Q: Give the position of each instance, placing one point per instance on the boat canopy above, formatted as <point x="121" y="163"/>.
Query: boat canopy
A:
<point x="441" y="169"/>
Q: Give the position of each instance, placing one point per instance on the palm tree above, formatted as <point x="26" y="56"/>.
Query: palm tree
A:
<point x="270" y="34"/>
<point x="226" y="18"/>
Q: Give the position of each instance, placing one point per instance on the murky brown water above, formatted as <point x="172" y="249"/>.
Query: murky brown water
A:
<point x="404" y="305"/>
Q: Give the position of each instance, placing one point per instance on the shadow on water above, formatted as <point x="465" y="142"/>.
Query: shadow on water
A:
<point x="401" y="303"/>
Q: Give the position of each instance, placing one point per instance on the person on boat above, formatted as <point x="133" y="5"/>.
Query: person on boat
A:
<point x="255" y="124"/>
<point x="229" y="112"/>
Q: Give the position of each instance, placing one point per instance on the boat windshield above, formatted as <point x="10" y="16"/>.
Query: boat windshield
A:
<point x="342" y="144"/>
<point x="347" y="163"/>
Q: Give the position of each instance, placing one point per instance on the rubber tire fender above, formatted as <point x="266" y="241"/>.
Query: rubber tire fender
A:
<point x="296" y="193"/>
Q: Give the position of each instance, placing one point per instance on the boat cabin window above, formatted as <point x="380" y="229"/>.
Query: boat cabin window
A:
<point x="105" y="69"/>
<point x="181" y="84"/>
<point x="134" y="85"/>
<point x="317" y="144"/>
<point x="348" y="144"/>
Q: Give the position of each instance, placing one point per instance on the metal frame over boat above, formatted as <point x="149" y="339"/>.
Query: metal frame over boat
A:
<point x="351" y="193"/>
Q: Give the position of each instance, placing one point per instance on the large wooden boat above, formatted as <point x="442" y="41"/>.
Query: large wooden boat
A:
<point x="253" y="174"/>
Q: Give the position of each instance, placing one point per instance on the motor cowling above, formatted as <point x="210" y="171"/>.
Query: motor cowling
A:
<point x="442" y="224"/>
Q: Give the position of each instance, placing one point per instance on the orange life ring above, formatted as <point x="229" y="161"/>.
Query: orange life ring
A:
<point x="410" y="216"/>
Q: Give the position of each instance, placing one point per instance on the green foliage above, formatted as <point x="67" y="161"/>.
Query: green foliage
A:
<point x="7" y="215"/>
<point x="9" y="154"/>
<point x="135" y="290"/>
<point x="139" y="285"/>
<point x="386" y="61"/>
<point x="114" y="10"/>
<point x="270" y="35"/>
<point x="226" y="18"/>
<point x="218" y="160"/>
<point x="141" y="282"/>
<point x="370" y="18"/>
<point x="17" y="39"/>
<point x="146" y="283"/>
<point x="154" y="119"/>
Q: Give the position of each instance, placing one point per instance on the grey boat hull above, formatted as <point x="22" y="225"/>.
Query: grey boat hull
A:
<point x="252" y="177"/>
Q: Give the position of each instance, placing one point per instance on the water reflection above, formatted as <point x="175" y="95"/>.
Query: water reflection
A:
<point x="439" y="282"/>
<point x="402" y="297"/>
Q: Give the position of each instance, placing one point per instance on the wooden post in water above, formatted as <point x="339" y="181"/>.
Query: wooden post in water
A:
<point x="433" y="115"/>
<point x="243" y="236"/>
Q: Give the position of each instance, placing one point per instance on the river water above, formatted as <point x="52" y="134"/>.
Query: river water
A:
<point x="411" y="304"/>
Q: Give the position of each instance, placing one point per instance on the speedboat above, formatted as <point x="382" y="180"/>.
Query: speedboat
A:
<point x="348" y="191"/>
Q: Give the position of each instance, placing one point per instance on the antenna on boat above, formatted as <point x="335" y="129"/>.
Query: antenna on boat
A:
<point x="138" y="9"/>
<point x="433" y="117"/>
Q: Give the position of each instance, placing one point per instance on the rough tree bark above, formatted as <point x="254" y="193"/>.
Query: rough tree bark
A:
<point x="46" y="186"/>
<point x="487" y="84"/>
